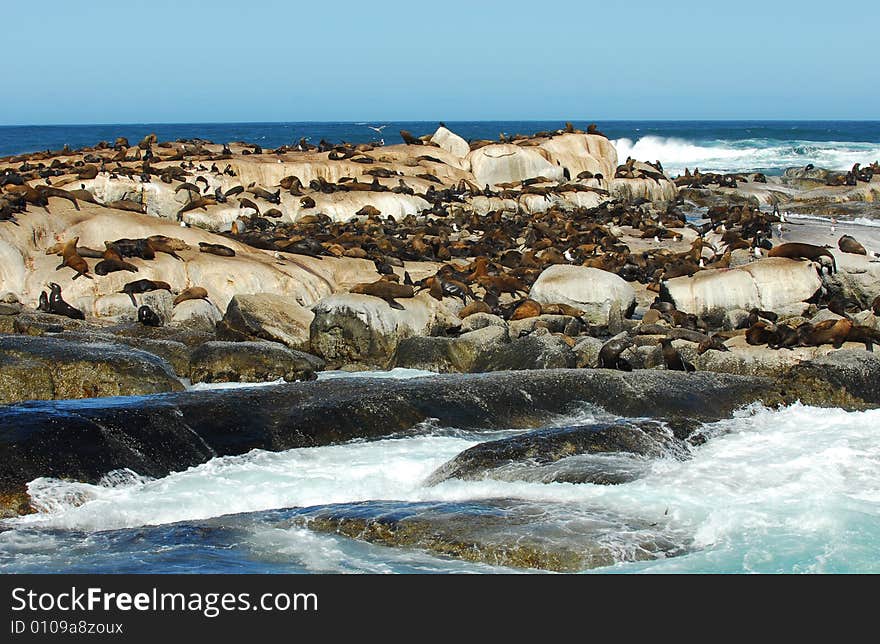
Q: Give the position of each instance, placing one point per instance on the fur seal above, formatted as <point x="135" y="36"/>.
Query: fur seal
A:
<point x="216" y="249"/>
<point x="167" y="245"/>
<point x="201" y="202"/>
<point x="833" y="332"/>
<point x="143" y="286"/>
<point x="409" y="139"/>
<point x="56" y="305"/>
<point x="73" y="259"/>
<point x="113" y="262"/>
<point x="132" y="248"/>
<point x="385" y="289"/>
<point x="794" y="250"/>
<point x="528" y="309"/>
<point x="474" y="307"/>
<point x="191" y="293"/>
<point x="849" y="245"/>
<point x="673" y="358"/>
<point x="148" y="317"/>
<point x="609" y="355"/>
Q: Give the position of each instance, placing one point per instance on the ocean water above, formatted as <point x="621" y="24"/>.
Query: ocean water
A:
<point x="795" y="490"/>
<point x="761" y="146"/>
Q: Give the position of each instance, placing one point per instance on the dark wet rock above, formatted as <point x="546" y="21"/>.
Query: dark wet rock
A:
<point x="806" y="178"/>
<point x="477" y="321"/>
<point x="251" y="362"/>
<point x="586" y="350"/>
<point x="83" y="440"/>
<point x="848" y="378"/>
<point x="190" y="337"/>
<point x="264" y="316"/>
<point x="39" y="323"/>
<point x="351" y="328"/>
<point x="174" y="353"/>
<point x="517" y="457"/>
<point x="39" y="368"/>
<point x="533" y="351"/>
<point x="505" y="532"/>
<point x="449" y="355"/>
<point x="13" y="504"/>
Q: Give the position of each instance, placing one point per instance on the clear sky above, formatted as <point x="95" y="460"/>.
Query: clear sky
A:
<point x="129" y="61"/>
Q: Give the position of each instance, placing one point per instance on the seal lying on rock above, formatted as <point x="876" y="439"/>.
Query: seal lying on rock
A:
<point x="113" y="262"/>
<point x="216" y="249"/>
<point x="387" y="290"/>
<point x="73" y="259"/>
<point x="803" y="251"/>
<point x="191" y="293"/>
<point x="849" y="244"/>
<point x="143" y="286"/>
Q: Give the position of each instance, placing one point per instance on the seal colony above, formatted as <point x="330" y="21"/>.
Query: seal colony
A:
<point x="477" y="249"/>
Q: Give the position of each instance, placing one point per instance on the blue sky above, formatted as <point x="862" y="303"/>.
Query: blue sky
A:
<point x="128" y="61"/>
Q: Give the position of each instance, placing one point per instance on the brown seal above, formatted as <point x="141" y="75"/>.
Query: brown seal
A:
<point x="73" y="259"/>
<point x="795" y="250"/>
<point x="143" y="286"/>
<point x="834" y="332"/>
<point x="191" y="293"/>
<point x="849" y="245"/>
<point x="609" y="355"/>
<point x="673" y="358"/>
<point x="528" y="309"/>
<point x="167" y="245"/>
<point x="113" y="262"/>
<point x="474" y="307"/>
<point x="216" y="249"/>
<point x="386" y="289"/>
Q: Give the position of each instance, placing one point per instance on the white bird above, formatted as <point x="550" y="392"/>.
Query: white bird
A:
<point x="377" y="129"/>
<point x="702" y="263"/>
<point x="757" y="251"/>
<point x="656" y="239"/>
<point x="567" y="254"/>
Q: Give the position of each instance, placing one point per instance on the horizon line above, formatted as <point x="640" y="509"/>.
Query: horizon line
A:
<point x="506" y="120"/>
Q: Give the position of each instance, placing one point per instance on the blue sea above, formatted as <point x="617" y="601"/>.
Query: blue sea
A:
<point x="760" y="146"/>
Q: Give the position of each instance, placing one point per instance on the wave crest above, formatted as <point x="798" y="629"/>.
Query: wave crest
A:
<point x="745" y="155"/>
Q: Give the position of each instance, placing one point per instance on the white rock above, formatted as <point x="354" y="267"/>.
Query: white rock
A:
<point x="451" y="142"/>
<point x="767" y="284"/>
<point x="505" y="162"/>
<point x="596" y="292"/>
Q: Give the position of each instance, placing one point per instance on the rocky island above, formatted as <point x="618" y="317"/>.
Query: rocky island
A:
<point x="137" y="269"/>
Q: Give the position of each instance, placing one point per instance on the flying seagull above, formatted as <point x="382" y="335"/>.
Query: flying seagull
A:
<point x="378" y="129"/>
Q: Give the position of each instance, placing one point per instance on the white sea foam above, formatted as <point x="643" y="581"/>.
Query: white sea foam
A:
<point x="745" y="155"/>
<point x="792" y="490"/>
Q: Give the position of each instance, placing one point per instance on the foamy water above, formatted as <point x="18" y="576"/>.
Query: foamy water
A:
<point x="745" y="155"/>
<point x="795" y="490"/>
